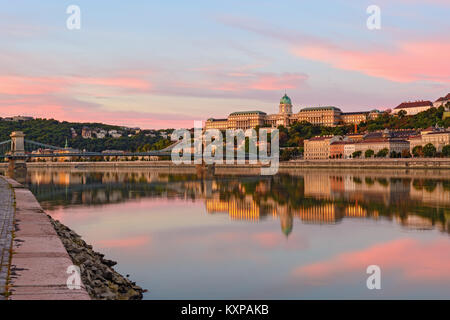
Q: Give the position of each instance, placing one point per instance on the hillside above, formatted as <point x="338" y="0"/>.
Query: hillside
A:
<point x="55" y="133"/>
<point x="294" y="135"/>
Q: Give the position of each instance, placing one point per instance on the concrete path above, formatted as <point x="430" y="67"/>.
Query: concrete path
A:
<point x="6" y="229"/>
<point x="39" y="261"/>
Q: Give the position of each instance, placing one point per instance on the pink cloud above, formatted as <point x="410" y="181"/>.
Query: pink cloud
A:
<point x="21" y="85"/>
<point x="25" y="85"/>
<point x="410" y="61"/>
<point x="118" y="82"/>
<point x="54" y="97"/>
<point x="240" y="81"/>
<point x="284" y="81"/>
<point x="70" y="109"/>
<point x="414" y="259"/>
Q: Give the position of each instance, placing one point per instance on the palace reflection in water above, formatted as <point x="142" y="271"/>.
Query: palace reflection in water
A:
<point x="321" y="197"/>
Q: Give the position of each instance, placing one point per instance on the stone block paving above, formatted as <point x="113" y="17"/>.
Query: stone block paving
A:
<point x="6" y="229"/>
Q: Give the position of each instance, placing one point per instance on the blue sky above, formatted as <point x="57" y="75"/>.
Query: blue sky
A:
<point x="166" y="63"/>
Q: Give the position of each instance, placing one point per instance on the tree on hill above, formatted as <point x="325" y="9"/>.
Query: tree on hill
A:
<point x="422" y="120"/>
<point x="53" y="132"/>
<point x="402" y="113"/>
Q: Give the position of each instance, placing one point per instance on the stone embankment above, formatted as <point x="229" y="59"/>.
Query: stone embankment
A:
<point x="43" y="251"/>
<point x="170" y="167"/>
<point x="100" y="279"/>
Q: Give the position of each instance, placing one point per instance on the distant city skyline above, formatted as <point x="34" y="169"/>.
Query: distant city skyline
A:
<point x="163" y="65"/>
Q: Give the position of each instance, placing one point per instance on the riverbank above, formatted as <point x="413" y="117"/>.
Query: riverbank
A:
<point x="42" y="252"/>
<point x="101" y="280"/>
<point x="407" y="163"/>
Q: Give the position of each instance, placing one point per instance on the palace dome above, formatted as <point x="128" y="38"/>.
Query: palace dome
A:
<point x="285" y="100"/>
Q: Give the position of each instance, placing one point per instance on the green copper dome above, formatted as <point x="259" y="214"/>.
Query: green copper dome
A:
<point x="285" y="100"/>
<point x="287" y="230"/>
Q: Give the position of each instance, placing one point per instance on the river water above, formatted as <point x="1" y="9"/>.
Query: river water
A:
<point x="305" y="234"/>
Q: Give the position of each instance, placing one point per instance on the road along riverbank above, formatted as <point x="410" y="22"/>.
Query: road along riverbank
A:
<point x="169" y="166"/>
<point x="44" y="253"/>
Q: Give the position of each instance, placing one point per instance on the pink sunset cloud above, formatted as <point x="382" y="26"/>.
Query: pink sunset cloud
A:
<point x="118" y="82"/>
<point x="22" y="85"/>
<point x="244" y="79"/>
<point x="57" y="98"/>
<point x="91" y="113"/>
<point x="258" y="81"/>
<point x="409" y="61"/>
<point x="415" y="260"/>
<point x="25" y="85"/>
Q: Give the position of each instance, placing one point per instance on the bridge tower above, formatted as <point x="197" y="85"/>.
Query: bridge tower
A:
<point x="17" y="168"/>
<point x="17" y="143"/>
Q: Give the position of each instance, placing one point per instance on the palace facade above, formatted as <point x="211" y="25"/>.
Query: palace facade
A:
<point x="325" y="116"/>
<point x="412" y="108"/>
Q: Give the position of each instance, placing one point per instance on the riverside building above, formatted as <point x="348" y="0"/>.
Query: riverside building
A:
<point x="438" y="137"/>
<point x="319" y="147"/>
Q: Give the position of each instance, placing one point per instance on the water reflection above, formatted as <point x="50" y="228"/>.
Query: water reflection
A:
<point x="415" y="202"/>
<point x="300" y="234"/>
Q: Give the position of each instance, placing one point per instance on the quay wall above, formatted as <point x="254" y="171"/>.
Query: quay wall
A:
<point x="39" y="260"/>
<point x="44" y="251"/>
<point x="414" y="163"/>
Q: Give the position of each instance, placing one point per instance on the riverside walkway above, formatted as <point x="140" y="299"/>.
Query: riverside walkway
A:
<point x="6" y="229"/>
<point x="38" y="262"/>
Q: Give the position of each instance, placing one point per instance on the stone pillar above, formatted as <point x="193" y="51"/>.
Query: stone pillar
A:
<point x="17" y="170"/>
<point x="17" y="167"/>
<point x="17" y="143"/>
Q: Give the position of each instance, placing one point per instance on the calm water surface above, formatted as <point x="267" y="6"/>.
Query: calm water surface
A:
<point x="303" y="235"/>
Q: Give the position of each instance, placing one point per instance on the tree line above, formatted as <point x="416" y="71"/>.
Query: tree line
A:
<point x="55" y="133"/>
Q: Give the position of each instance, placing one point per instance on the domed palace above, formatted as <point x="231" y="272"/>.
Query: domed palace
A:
<point x="324" y="115"/>
<point x="285" y="105"/>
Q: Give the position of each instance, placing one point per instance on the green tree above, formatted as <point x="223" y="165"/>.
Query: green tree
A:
<point x="369" y="153"/>
<point x="417" y="151"/>
<point x="406" y="154"/>
<point x="446" y="151"/>
<point x="356" y="154"/>
<point x="401" y="113"/>
<point x="382" y="153"/>
<point x="429" y="150"/>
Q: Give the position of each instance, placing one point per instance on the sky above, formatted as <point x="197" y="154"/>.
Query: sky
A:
<point x="165" y="64"/>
